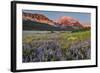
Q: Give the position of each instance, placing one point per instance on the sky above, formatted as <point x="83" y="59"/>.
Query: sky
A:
<point x="54" y="15"/>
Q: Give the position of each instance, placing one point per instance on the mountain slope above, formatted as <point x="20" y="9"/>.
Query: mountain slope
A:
<point x="31" y="25"/>
<point x="68" y="21"/>
<point x="37" y="18"/>
<point x="41" y="22"/>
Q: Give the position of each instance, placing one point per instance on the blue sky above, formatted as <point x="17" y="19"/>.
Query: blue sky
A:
<point x="54" y="15"/>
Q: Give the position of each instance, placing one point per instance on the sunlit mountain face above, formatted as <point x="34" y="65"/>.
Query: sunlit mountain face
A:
<point x="68" y="21"/>
<point x="43" y="22"/>
<point x="37" y="18"/>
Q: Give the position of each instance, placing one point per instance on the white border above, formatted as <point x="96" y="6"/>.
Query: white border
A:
<point x="21" y="65"/>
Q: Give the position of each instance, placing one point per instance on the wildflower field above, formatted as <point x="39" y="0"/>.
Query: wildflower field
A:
<point x="43" y="46"/>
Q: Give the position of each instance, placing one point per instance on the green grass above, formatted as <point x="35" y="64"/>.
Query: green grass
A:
<point x="67" y="39"/>
<point x="64" y="38"/>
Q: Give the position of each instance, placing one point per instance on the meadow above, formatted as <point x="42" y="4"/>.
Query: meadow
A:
<point x="43" y="46"/>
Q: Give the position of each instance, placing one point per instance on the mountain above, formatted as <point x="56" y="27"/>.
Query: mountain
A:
<point x="41" y="22"/>
<point x="37" y="18"/>
<point x="38" y="22"/>
<point x="69" y="21"/>
<point x="86" y="26"/>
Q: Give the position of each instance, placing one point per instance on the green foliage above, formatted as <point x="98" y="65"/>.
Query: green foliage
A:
<point x="64" y="38"/>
